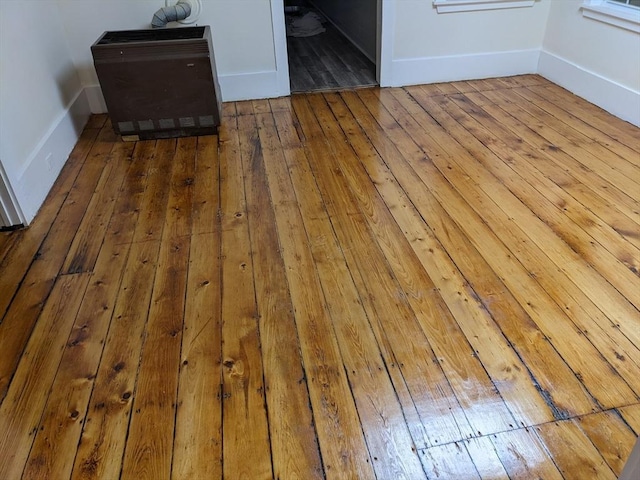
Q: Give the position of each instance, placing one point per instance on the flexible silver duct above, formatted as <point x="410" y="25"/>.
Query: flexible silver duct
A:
<point x="173" y="13"/>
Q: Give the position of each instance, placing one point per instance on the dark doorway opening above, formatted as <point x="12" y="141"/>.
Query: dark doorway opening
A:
<point x="320" y="56"/>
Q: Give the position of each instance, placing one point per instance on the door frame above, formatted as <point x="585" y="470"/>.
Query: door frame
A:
<point x="280" y="47"/>
<point x="384" y="50"/>
<point x="10" y="213"/>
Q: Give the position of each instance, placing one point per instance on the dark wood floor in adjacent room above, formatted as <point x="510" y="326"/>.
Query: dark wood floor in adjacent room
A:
<point x="327" y="61"/>
<point x="425" y="282"/>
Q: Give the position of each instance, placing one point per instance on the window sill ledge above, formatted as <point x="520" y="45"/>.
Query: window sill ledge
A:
<point x="449" y="6"/>
<point x="623" y="17"/>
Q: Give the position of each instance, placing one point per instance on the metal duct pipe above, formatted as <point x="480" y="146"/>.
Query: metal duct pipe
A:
<point x="173" y="13"/>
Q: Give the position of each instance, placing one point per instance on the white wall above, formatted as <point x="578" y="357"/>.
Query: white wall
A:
<point x="242" y="39"/>
<point x="435" y="47"/>
<point x="356" y="19"/>
<point x="43" y="109"/>
<point x="595" y="60"/>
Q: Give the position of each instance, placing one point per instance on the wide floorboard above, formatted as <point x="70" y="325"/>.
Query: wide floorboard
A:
<point x="435" y="281"/>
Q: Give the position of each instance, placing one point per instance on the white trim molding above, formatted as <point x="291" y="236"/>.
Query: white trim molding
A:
<point x="95" y="99"/>
<point x="450" y="6"/>
<point x="416" y="71"/>
<point x="617" y="99"/>
<point x="10" y="213"/>
<point x="620" y="15"/>
<point x="32" y="183"/>
<point x="386" y="36"/>
<point x="250" y="86"/>
<point x="280" y="45"/>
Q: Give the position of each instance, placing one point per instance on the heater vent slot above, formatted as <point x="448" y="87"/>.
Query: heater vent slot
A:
<point x="145" y="124"/>
<point x="167" y="123"/>
<point x="126" y="127"/>
<point x="187" y="122"/>
<point x="206" y="121"/>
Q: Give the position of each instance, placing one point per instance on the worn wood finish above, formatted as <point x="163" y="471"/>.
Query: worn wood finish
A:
<point x="438" y="281"/>
<point x="245" y="424"/>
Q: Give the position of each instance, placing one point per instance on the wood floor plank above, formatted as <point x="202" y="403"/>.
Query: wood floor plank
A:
<point x="180" y="205"/>
<point x="105" y="428"/>
<point x="398" y="328"/>
<point x="540" y="260"/>
<point x="22" y="407"/>
<point x="25" y="307"/>
<point x="152" y="210"/>
<point x="603" y="160"/>
<point x="506" y="369"/>
<point x="524" y="80"/>
<point x="611" y="436"/>
<point x="392" y="321"/>
<point x="380" y="414"/>
<point x="619" y="130"/>
<point x="524" y="455"/>
<point x="197" y="448"/>
<point x="331" y="399"/>
<point x="87" y="242"/>
<point x="206" y="180"/>
<point x="449" y="461"/>
<point x="530" y="295"/>
<point x="583" y="156"/>
<point x="631" y="415"/>
<point x="577" y="238"/>
<point x="294" y="444"/>
<point x="245" y="428"/>
<point x="485" y="458"/>
<point x="553" y="182"/>
<point x="148" y="452"/>
<point x="594" y="241"/>
<point x="548" y="369"/>
<point x="126" y="211"/>
<point x="573" y="452"/>
<point x="17" y="260"/>
<point x="7" y="241"/>
<point x="97" y="121"/>
<point x="624" y="153"/>
<point x="560" y="270"/>
<point x="615" y="197"/>
<point x="453" y="341"/>
<point x="54" y="447"/>
<point x="432" y="281"/>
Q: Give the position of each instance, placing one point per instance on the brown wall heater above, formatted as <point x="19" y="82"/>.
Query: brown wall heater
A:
<point x="159" y="83"/>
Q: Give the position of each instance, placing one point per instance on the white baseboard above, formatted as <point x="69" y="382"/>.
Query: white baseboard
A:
<point x="250" y="86"/>
<point x="95" y="98"/>
<point x="44" y="164"/>
<point x="617" y="99"/>
<point x="423" y="70"/>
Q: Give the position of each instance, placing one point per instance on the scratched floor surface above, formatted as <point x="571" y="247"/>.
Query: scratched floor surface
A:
<point x="426" y="282"/>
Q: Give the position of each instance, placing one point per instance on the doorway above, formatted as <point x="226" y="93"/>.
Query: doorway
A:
<point x="332" y="45"/>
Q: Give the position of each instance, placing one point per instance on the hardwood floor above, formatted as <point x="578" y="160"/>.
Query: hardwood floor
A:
<point x="436" y="281"/>
<point x="327" y="61"/>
